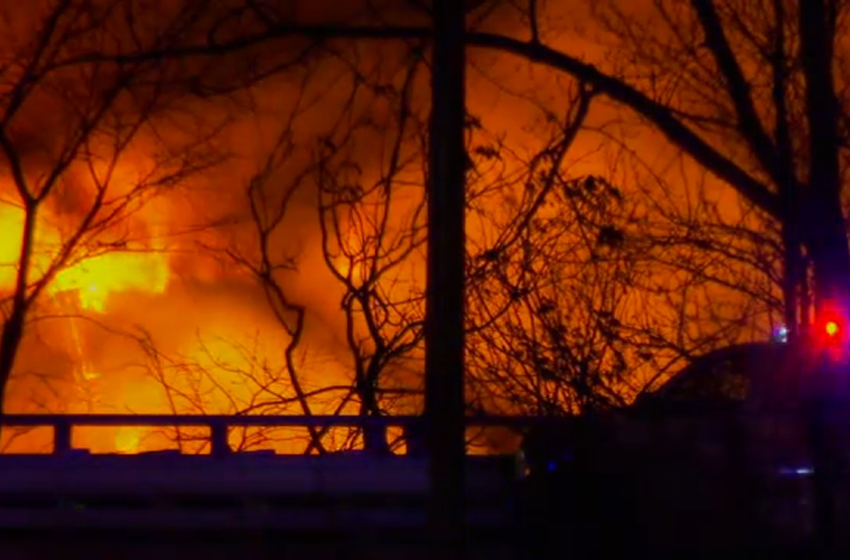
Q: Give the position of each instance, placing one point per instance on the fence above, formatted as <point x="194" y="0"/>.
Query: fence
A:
<point x="220" y="425"/>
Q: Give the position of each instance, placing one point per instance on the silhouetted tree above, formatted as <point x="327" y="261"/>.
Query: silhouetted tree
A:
<point x="728" y="93"/>
<point x="749" y="92"/>
<point x="79" y="94"/>
<point x="702" y="246"/>
<point x="373" y="234"/>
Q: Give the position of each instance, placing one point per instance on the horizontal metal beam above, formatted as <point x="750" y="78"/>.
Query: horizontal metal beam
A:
<point x="198" y="420"/>
<point x="219" y="425"/>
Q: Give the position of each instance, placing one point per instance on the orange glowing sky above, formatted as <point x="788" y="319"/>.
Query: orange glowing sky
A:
<point x="201" y="309"/>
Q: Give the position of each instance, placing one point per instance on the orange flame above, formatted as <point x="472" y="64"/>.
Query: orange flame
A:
<point x="85" y="284"/>
<point x="91" y="279"/>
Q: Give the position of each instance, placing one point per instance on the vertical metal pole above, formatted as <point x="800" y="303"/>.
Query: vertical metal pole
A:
<point x="62" y="436"/>
<point x="219" y="446"/>
<point x="444" y="324"/>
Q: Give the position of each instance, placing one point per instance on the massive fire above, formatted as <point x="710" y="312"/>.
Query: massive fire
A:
<point x="96" y="278"/>
<point x="85" y="284"/>
<point x="224" y="368"/>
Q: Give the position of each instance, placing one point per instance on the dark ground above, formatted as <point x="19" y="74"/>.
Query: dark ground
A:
<point x="506" y="545"/>
<point x="164" y="546"/>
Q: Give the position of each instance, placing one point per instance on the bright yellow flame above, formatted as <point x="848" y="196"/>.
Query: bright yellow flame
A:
<point x="91" y="280"/>
<point x="96" y="278"/>
<point x="11" y="226"/>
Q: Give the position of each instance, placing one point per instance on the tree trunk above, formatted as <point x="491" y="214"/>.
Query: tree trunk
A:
<point x="825" y="225"/>
<point x="10" y="340"/>
<point x="805" y="297"/>
<point x="13" y="328"/>
<point x="374" y="435"/>
<point x="791" y="288"/>
<point x="829" y="251"/>
<point x="827" y="243"/>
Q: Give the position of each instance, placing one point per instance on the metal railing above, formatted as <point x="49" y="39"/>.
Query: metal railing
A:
<point x="412" y="426"/>
<point x="219" y="425"/>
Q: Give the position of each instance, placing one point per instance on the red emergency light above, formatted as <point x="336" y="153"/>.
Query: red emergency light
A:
<point x="831" y="328"/>
<point x="832" y="337"/>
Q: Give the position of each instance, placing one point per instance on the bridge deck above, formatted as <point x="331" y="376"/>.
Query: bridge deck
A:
<point x="240" y="491"/>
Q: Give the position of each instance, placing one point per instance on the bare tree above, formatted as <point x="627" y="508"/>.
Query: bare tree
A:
<point x="89" y="86"/>
<point x="367" y="237"/>
<point x="584" y="294"/>
<point x="336" y="171"/>
<point x="557" y="347"/>
<point x="67" y="127"/>
<point x="373" y="234"/>
<point x="727" y="82"/>
<point x="245" y="381"/>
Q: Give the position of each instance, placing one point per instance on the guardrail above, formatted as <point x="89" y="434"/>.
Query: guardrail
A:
<point x="219" y="425"/>
<point x="413" y="427"/>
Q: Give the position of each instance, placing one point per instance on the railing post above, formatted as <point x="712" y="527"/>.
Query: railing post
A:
<point x="62" y="432"/>
<point x="219" y="446"/>
<point x="416" y="437"/>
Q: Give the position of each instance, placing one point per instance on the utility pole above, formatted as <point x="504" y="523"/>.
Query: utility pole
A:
<point x="444" y="321"/>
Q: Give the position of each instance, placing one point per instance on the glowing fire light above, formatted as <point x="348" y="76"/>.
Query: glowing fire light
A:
<point x="350" y="260"/>
<point x="127" y="440"/>
<point x="93" y="279"/>
<point x="96" y="278"/>
<point x="84" y="284"/>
